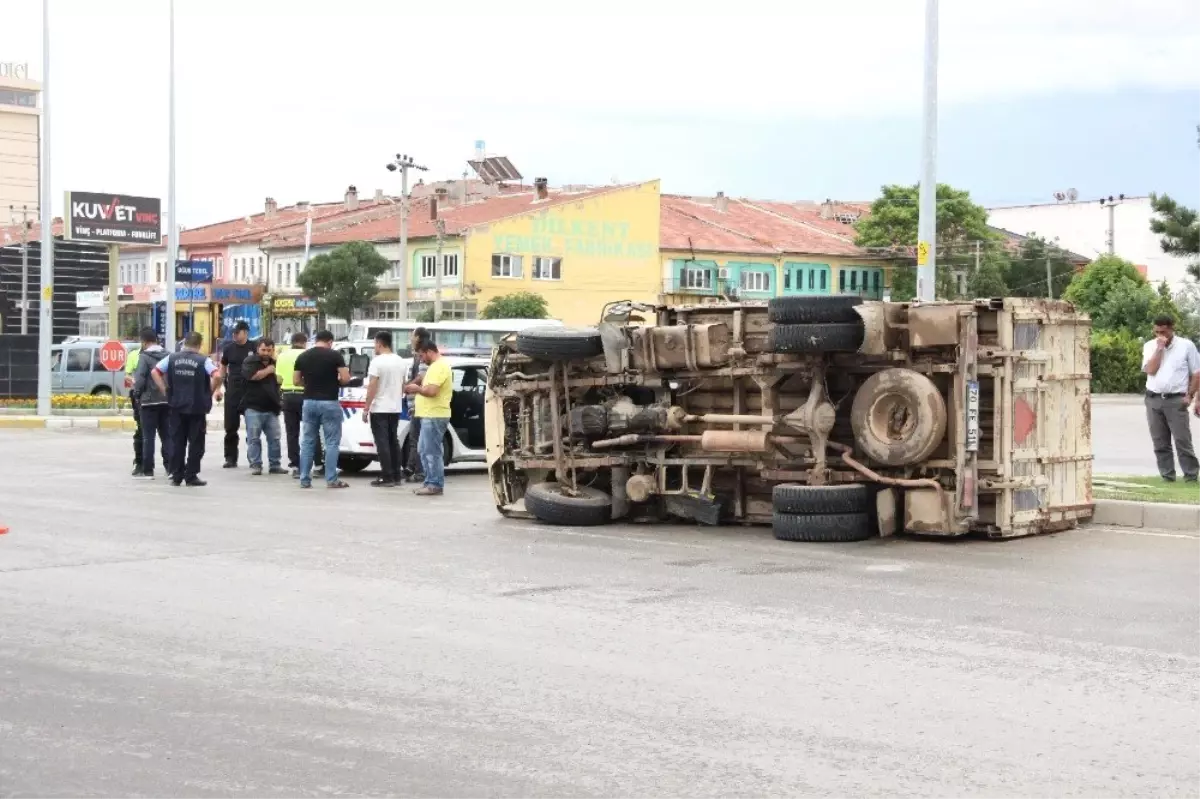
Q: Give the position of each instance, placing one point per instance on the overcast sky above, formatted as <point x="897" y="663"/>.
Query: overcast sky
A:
<point x="784" y="100"/>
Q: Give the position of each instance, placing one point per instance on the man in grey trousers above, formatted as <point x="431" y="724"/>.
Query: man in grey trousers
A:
<point x="1172" y="367"/>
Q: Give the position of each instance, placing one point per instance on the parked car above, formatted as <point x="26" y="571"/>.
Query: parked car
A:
<point x="75" y="368"/>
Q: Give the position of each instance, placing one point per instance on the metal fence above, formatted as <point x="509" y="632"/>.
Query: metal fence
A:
<point x="18" y="366"/>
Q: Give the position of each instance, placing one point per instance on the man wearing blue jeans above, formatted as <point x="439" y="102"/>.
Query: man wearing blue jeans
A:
<point x="321" y="371"/>
<point x="432" y="394"/>
<point x="261" y="404"/>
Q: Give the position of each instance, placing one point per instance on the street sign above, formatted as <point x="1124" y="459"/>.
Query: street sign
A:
<point x="922" y="253"/>
<point x="112" y="355"/>
<point x="193" y="271"/>
<point x="112" y="218"/>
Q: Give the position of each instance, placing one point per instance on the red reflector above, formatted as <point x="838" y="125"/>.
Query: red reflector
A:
<point x="370" y="444"/>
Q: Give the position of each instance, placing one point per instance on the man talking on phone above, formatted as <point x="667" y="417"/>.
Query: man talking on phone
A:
<point x="1172" y="367"/>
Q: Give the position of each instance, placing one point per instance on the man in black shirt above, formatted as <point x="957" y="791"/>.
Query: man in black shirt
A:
<point x="232" y="358"/>
<point x="262" y="402"/>
<point x="322" y="371"/>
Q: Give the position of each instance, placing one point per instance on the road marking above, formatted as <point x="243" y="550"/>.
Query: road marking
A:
<point x="1155" y="535"/>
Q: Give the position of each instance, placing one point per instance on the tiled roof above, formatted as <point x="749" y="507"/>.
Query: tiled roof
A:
<point x="753" y="227"/>
<point x="11" y="234"/>
<point x="385" y="225"/>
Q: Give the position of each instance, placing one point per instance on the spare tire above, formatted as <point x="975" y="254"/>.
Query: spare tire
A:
<point x="814" y="310"/>
<point x="559" y="343"/>
<point x="898" y="417"/>
<point x="795" y="498"/>
<point x="822" y="528"/>
<point x="841" y="337"/>
<point x="548" y="503"/>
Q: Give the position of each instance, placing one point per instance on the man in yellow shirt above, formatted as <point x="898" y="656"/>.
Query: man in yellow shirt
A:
<point x="433" y="409"/>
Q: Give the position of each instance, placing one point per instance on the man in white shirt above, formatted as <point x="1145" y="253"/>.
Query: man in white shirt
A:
<point x="385" y="398"/>
<point x="1172" y="367"/>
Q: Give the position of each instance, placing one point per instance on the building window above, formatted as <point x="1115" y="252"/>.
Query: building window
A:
<point x="26" y="99"/>
<point x="395" y="270"/>
<point x="506" y="266"/>
<point x="547" y="268"/>
<point x="428" y="267"/>
<point x="220" y="269"/>
<point x="755" y="281"/>
<point x="279" y="274"/>
<point x="450" y="265"/>
<point x="697" y="279"/>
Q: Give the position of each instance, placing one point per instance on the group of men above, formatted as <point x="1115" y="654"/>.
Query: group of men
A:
<point x="172" y="395"/>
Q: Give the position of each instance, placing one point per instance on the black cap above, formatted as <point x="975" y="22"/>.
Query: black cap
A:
<point x="241" y="327"/>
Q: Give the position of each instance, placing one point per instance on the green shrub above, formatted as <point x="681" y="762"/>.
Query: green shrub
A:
<point x="1117" y="362"/>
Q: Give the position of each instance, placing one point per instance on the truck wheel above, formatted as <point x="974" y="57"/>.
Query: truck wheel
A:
<point x="898" y="417"/>
<point x="839" y="337"/>
<point x="792" y="498"/>
<point x="548" y="503"/>
<point x="822" y="527"/>
<point x="813" y="310"/>
<point x="559" y="343"/>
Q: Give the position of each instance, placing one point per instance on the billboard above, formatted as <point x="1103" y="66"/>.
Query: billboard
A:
<point x="112" y="218"/>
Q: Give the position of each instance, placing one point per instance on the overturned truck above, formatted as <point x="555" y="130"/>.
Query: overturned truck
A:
<point x="829" y="418"/>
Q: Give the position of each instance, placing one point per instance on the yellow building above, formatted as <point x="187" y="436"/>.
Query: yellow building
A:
<point x="579" y="253"/>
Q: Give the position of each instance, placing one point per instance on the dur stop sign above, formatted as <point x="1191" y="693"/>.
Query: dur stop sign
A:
<point x="112" y="355"/>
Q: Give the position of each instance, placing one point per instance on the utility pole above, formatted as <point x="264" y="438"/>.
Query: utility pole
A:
<point x="403" y="163"/>
<point x="46" y="255"/>
<point x="172" y="210"/>
<point x="1049" y="277"/>
<point x="12" y="213"/>
<point x="440" y="226"/>
<point x="1112" y="208"/>
<point x="927" y="219"/>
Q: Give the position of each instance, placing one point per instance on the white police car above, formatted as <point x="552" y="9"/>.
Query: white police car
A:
<point x="464" y="436"/>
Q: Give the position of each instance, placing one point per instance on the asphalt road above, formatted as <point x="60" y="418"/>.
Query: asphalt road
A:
<point x="251" y="639"/>
<point x="1121" y="437"/>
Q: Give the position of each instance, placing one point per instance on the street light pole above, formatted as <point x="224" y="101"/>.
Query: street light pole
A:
<point x="438" y="260"/>
<point x="927" y="219"/>
<point x="172" y="215"/>
<point x="403" y="163"/>
<point x="12" y="213"/>
<point x="46" y="256"/>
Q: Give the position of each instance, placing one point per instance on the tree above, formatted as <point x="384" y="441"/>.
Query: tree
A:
<point x="892" y="222"/>
<point x="1119" y="298"/>
<point x="988" y="280"/>
<point x="344" y="280"/>
<point x="1027" y="275"/>
<point x="1179" y="229"/>
<point x="518" y="305"/>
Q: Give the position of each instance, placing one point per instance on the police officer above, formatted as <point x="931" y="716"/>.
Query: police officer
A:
<point x="232" y="357"/>
<point x="293" y="398"/>
<point x="189" y="380"/>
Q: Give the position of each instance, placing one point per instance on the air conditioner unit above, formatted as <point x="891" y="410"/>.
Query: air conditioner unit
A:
<point x="723" y="273"/>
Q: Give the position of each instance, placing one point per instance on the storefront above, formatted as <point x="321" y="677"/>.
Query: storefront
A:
<point x="210" y="309"/>
<point x="292" y="314"/>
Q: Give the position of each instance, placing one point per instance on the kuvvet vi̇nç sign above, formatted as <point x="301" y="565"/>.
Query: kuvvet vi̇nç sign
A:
<point x="114" y="218"/>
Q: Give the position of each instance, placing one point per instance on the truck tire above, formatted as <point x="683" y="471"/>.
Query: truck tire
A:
<point x="898" y="417"/>
<point x="791" y="498"/>
<point x="559" y="343"/>
<point x="822" y="527"/>
<point x="548" y="503"/>
<point x="813" y="310"/>
<point x="839" y="337"/>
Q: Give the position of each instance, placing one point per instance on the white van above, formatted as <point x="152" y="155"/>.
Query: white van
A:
<point x="464" y="437"/>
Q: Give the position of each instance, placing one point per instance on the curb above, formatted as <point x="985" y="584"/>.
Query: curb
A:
<point x="67" y="422"/>
<point x="1152" y="515"/>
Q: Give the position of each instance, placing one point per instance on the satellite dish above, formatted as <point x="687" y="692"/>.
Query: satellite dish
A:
<point x="1072" y="195"/>
<point x="1059" y="196"/>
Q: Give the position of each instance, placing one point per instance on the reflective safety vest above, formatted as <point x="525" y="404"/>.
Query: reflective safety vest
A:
<point x="285" y="368"/>
<point x="131" y="361"/>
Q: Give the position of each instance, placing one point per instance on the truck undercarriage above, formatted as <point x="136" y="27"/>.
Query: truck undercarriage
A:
<point x="828" y="418"/>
